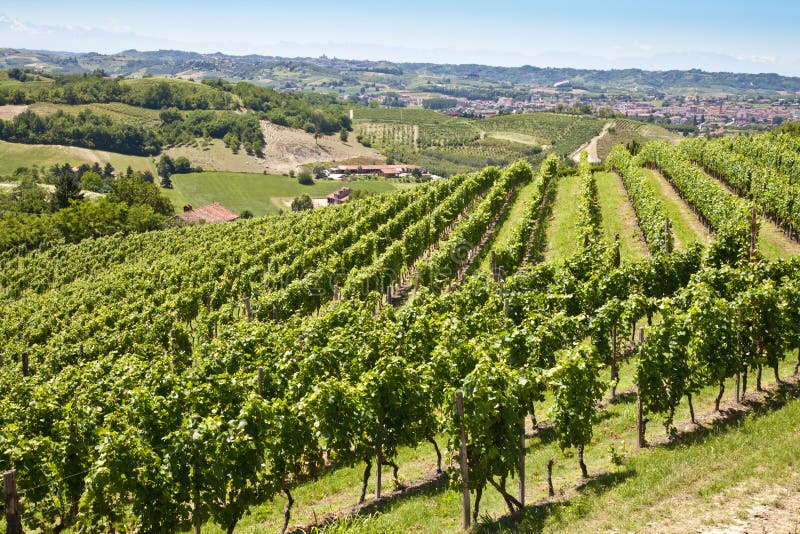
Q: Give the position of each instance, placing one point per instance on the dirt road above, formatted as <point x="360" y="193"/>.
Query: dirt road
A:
<point x="591" y="146"/>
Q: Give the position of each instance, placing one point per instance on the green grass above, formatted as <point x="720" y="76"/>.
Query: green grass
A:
<point x="259" y="193"/>
<point x="562" y="235"/>
<point x="685" y="225"/>
<point x="215" y="156"/>
<point x="773" y="243"/>
<point x="15" y="155"/>
<point x="699" y="482"/>
<point x="619" y="217"/>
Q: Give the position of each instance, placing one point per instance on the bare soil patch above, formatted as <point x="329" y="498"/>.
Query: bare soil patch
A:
<point x="9" y="112"/>
<point x="289" y="149"/>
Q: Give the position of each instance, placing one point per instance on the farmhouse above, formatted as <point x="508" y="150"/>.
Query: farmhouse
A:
<point x="339" y="196"/>
<point x="387" y="171"/>
<point x="213" y="213"/>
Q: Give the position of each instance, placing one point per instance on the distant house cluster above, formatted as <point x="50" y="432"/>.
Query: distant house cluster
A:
<point x="387" y="171"/>
<point x="213" y="213"/>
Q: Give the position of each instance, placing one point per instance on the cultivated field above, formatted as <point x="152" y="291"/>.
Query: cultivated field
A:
<point x="261" y="194"/>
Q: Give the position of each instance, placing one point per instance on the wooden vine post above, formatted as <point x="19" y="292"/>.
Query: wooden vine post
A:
<point x="248" y="309"/>
<point x="639" y="421"/>
<point x="667" y="231"/>
<point x="753" y="234"/>
<point x="11" y="503"/>
<point x="379" y="468"/>
<point x="614" y="367"/>
<point x="521" y="492"/>
<point x="640" y="443"/>
<point x="462" y="460"/>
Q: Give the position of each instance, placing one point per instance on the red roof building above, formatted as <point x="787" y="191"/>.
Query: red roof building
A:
<point x="339" y="196"/>
<point x="388" y="171"/>
<point x="213" y="213"/>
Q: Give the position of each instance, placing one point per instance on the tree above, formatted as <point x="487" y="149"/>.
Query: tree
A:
<point x="92" y="181"/>
<point x="134" y="191"/>
<point x="168" y="116"/>
<point x="304" y="178"/>
<point x="28" y="196"/>
<point x="302" y="203"/>
<point x="633" y="147"/>
<point x="343" y="135"/>
<point x="246" y="214"/>
<point x="165" y="166"/>
<point x="319" y="120"/>
<point x="68" y="189"/>
<point x="182" y="165"/>
<point x="166" y="182"/>
<point x="108" y="171"/>
<point x="319" y="172"/>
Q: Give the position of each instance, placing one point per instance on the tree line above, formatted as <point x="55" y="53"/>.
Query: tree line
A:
<point x="32" y="215"/>
<point x="88" y="129"/>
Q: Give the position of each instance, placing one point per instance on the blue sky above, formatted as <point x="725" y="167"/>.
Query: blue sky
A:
<point x="733" y="35"/>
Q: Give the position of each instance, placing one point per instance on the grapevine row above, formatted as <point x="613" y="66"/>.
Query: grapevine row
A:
<point x="775" y="193"/>
<point x="512" y="254"/>
<point x="649" y="210"/>
<point x="726" y="214"/>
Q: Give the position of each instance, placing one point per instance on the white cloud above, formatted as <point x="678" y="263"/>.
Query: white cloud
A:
<point x="771" y="60"/>
<point x="21" y="27"/>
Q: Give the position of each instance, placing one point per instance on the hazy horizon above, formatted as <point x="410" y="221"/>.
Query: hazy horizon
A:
<point x="712" y="36"/>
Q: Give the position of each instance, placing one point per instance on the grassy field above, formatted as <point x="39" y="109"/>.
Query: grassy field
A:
<point x="564" y="133"/>
<point x="619" y="217"/>
<point x="259" y="193"/>
<point x="15" y="155"/>
<point x="562" y="235"/>
<point x="215" y="156"/>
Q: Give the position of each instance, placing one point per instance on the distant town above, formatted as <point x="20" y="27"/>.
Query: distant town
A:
<point x="697" y="114"/>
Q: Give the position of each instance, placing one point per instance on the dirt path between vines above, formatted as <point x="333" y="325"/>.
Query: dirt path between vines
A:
<point x="591" y="146"/>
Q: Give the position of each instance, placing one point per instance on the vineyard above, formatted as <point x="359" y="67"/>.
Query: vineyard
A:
<point x="448" y="145"/>
<point x="243" y="377"/>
